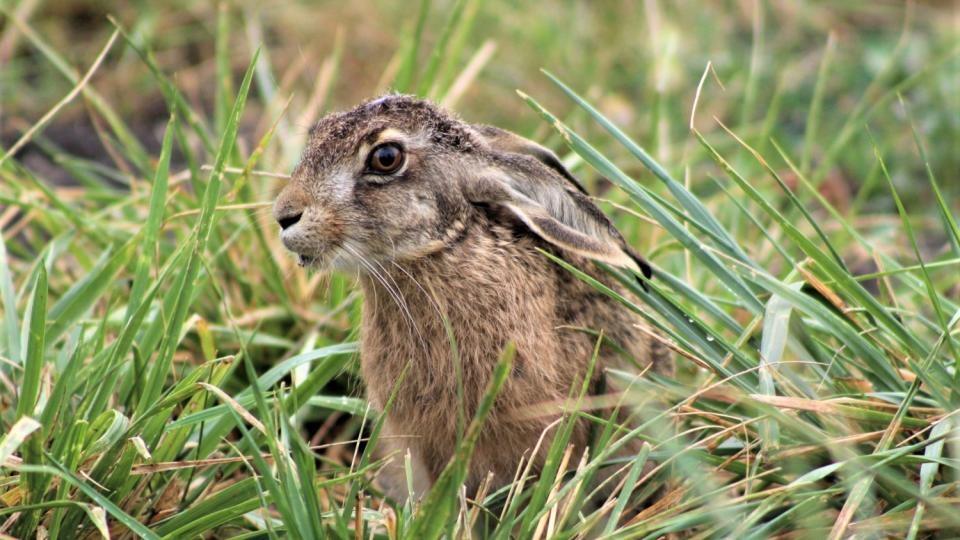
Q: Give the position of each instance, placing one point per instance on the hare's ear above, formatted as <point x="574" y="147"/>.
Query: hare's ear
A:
<point x="505" y="141"/>
<point x="558" y="214"/>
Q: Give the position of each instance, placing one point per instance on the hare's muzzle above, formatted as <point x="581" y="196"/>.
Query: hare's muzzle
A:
<point x="302" y="229"/>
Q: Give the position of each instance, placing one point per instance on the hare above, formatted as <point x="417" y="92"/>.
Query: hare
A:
<point x="444" y="222"/>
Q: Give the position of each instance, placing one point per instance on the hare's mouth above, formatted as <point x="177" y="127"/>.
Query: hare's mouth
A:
<point x="305" y="246"/>
<point x="334" y="258"/>
<point x="317" y="261"/>
<point x="331" y="254"/>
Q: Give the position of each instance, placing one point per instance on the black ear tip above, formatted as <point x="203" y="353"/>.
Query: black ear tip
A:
<point x="645" y="269"/>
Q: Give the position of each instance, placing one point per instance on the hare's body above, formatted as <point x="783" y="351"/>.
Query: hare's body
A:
<point x="492" y="287"/>
<point x="445" y="222"/>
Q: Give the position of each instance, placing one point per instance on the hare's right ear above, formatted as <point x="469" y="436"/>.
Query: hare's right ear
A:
<point x="505" y="141"/>
<point x="557" y="213"/>
<point x="555" y="207"/>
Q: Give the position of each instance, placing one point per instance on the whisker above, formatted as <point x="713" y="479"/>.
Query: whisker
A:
<point x="395" y="294"/>
<point x="379" y="277"/>
<point x="397" y="299"/>
<point x="396" y="286"/>
<point x="400" y="292"/>
<point x="430" y="297"/>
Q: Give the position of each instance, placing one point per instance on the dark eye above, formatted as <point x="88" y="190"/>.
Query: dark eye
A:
<point x="385" y="159"/>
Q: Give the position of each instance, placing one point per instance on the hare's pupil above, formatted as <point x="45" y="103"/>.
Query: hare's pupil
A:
<point x="386" y="157"/>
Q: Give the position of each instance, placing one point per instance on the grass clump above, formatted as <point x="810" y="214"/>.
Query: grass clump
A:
<point x="167" y="372"/>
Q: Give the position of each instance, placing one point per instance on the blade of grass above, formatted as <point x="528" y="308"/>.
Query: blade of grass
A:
<point x="59" y="470"/>
<point x="605" y="167"/>
<point x="8" y="298"/>
<point x="158" y="197"/>
<point x="816" y="105"/>
<point x="949" y="220"/>
<point x="537" y="507"/>
<point x="85" y="292"/>
<point x="35" y="345"/>
<point x="914" y="283"/>
<point x="175" y="101"/>
<point x="407" y="71"/>
<point x="224" y="77"/>
<point x="773" y="343"/>
<point x="273" y="376"/>
<point x="630" y="483"/>
<point x="698" y="212"/>
<point x="931" y="290"/>
<point x="133" y="149"/>
<point x="33" y="483"/>
<point x="12" y="439"/>
<point x="755" y="66"/>
<point x="40" y="124"/>
<point x="428" y="78"/>
<point x="187" y="280"/>
<point x="825" y="262"/>
<point x="881" y="369"/>
<point x="790" y="196"/>
<point x="928" y="471"/>
<point x="454" y="50"/>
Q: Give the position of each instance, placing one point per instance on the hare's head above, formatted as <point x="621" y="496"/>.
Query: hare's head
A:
<point x="397" y="179"/>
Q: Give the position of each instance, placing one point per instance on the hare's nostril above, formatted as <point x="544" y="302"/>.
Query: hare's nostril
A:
<point x="289" y="221"/>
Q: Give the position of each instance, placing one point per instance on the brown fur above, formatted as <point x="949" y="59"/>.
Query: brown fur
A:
<point x="431" y="252"/>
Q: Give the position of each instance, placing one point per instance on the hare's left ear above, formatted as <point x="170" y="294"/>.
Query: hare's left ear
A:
<point x="553" y="209"/>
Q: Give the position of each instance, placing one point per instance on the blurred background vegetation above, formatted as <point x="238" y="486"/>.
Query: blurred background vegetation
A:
<point x="639" y="61"/>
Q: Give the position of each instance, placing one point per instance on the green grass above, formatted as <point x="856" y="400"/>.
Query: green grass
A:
<point x="166" y="371"/>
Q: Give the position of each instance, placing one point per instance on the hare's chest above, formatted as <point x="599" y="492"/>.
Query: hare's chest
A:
<point x="436" y="336"/>
<point x="428" y="379"/>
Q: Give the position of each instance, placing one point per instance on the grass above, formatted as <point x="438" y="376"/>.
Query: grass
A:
<point x="168" y="372"/>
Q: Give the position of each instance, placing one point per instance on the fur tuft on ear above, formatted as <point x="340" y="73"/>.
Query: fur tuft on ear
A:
<point x="530" y="182"/>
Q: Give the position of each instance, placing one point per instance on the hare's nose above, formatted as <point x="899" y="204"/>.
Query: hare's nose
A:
<point x="291" y="203"/>
<point x="289" y="220"/>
